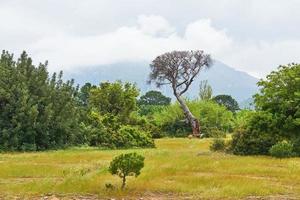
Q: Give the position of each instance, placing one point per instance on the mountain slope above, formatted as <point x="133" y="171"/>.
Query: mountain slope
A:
<point x="222" y="78"/>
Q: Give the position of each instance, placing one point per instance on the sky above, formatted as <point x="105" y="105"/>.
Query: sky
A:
<point x="254" y="36"/>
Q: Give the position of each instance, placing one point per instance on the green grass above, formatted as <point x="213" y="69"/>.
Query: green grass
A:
<point x="177" y="167"/>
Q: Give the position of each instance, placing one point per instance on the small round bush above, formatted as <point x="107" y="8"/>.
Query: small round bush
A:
<point x="124" y="165"/>
<point x="218" y="144"/>
<point x="283" y="149"/>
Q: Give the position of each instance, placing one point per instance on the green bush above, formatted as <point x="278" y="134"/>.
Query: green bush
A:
<point x="212" y="118"/>
<point x="296" y="145"/>
<point x="216" y="133"/>
<point x="107" y="131"/>
<point x="129" y="136"/>
<point x="218" y="144"/>
<point x="126" y="165"/>
<point x="255" y="138"/>
<point x="283" y="149"/>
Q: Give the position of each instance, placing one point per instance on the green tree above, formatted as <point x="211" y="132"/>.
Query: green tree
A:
<point x="227" y="101"/>
<point x="205" y="91"/>
<point x="36" y="112"/>
<point x="84" y="93"/>
<point x="124" y="165"/>
<point x="115" y="99"/>
<point x="154" y="98"/>
<point x="278" y="114"/>
<point x="280" y="94"/>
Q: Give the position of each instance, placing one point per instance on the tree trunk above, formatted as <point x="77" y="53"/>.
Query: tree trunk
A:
<point x="123" y="182"/>
<point x="190" y="117"/>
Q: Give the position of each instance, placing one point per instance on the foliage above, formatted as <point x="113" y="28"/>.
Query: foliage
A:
<point x="124" y="165"/>
<point x="296" y="146"/>
<point x="283" y="149"/>
<point x="280" y="94"/>
<point x="278" y="116"/>
<point x="154" y="98"/>
<point x="257" y="136"/>
<point x="242" y="118"/>
<point x="149" y="110"/>
<point x="116" y="99"/>
<point x="151" y="102"/>
<point x="213" y="118"/>
<point x="218" y="144"/>
<point x="36" y="112"/>
<point x="227" y="101"/>
<point x="108" y="131"/>
<point x="205" y="91"/>
<point x="84" y="93"/>
<point x="129" y="136"/>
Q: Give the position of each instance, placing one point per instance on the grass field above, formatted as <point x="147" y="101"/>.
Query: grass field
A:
<point x="177" y="168"/>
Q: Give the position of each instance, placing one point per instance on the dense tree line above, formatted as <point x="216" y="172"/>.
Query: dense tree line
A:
<point x="37" y="112"/>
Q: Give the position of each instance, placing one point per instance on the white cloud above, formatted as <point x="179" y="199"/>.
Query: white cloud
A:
<point x="150" y="37"/>
<point x="80" y="34"/>
<point x="141" y="43"/>
<point x="155" y="25"/>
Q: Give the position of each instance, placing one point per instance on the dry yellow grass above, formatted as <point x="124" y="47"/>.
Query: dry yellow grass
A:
<point x="177" y="167"/>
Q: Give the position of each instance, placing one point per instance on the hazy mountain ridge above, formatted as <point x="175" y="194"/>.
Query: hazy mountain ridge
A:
<point x="222" y="78"/>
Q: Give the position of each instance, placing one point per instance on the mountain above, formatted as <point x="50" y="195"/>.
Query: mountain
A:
<point x="223" y="79"/>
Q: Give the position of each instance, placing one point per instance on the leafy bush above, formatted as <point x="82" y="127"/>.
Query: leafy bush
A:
<point x="278" y="116"/>
<point x="216" y="133"/>
<point x="129" y="136"/>
<point x="279" y="94"/>
<point x="107" y="131"/>
<point x="296" y="145"/>
<point x="255" y="137"/>
<point x="218" y="144"/>
<point x="282" y="149"/>
<point x="212" y="117"/>
<point x="126" y="165"/>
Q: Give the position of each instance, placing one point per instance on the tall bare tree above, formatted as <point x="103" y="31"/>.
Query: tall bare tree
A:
<point x="179" y="69"/>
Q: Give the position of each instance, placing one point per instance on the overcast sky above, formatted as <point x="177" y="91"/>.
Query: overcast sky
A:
<point x="250" y="35"/>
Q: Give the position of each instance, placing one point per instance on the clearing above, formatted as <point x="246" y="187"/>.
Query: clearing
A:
<point x="175" y="169"/>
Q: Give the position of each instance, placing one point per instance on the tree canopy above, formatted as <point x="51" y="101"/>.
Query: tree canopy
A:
<point x="154" y="98"/>
<point x="116" y="99"/>
<point x="227" y="101"/>
<point x="280" y="94"/>
<point x="36" y="112"/>
<point x="124" y="165"/>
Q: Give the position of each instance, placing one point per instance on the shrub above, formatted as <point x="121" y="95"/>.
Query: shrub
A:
<point x="255" y="138"/>
<point x="126" y="165"/>
<point x="216" y="133"/>
<point x="129" y="136"/>
<point x="296" y="146"/>
<point x="218" y="144"/>
<point x="212" y="117"/>
<point x="282" y="149"/>
<point x="107" y="131"/>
